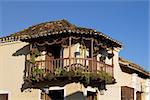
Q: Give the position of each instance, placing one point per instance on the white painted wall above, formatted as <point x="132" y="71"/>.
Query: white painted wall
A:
<point x="11" y="72"/>
<point x="124" y="79"/>
<point x="12" y="67"/>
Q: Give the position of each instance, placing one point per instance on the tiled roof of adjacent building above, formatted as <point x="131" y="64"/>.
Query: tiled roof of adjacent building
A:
<point x="137" y="68"/>
<point x="54" y="27"/>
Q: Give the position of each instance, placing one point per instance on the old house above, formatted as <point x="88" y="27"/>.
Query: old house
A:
<point x="60" y="61"/>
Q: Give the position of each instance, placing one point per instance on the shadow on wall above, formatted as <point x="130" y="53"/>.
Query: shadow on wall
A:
<point x="23" y="51"/>
<point x="76" y="96"/>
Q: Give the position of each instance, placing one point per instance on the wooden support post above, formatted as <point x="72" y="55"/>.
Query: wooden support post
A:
<point x="26" y="65"/>
<point x="91" y="53"/>
<point x="69" y="53"/>
<point x="30" y="65"/>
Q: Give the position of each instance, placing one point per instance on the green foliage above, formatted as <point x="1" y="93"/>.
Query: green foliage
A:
<point x="49" y="76"/>
<point x="34" y="53"/>
<point x="63" y="72"/>
<point x="36" y="73"/>
<point x="58" y="71"/>
<point x="32" y="59"/>
<point x="86" y="76"/>
<point x="105" y="76"/>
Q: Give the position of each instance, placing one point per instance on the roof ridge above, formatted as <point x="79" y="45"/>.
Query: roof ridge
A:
<point x="31" y="26"/>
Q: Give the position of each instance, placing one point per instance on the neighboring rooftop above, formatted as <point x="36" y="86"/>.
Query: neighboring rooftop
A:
<point x="131" y="67"/>
<point x="54" y="27"/>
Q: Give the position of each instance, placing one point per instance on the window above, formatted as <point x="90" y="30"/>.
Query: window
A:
<point x="56" y="94"/>
<point x="3" y="96"/>
<point x="127" y="93"/>
<point x="53" y="95"/>
<point x="138" y="95"/>
<point x="91" y="95"/>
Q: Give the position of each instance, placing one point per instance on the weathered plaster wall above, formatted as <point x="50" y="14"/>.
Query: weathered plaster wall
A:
<point x="125" y="79"/>
<point x="11" y="72"/>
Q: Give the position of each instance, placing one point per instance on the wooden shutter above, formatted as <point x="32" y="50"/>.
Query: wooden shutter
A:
<point x="127" y="93"/>
<point x="138" y="95"/>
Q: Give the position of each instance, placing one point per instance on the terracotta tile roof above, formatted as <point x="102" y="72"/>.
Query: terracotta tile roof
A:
<point x="54" y="27"/>
<point x="133" y="66"/>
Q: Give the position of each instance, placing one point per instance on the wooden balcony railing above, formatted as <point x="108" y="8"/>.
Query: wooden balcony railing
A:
<point x="49" y="66"/>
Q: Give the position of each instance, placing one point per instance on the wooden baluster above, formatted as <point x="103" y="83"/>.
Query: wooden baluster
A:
<point x="63" y="63"/>
<point x="29" y="70"/>
<point x="84" y="65"/>
<point x="28" y="66"/>
<point x="52" y="66"/>
<point x="26" y="69"/>
<point x="96" y="65"/>
<point x="44" y="67"/>
<point x="56" y="64"/>
<point x="73" y="62"/>
<point x="59" y="63"/>
<point x="69" y="52"/>
<point x="47" y="67"/>
<point x="82" y="62"/>
<point x="105" y="67"/>
<point x="87" y="64"/>
<point x="101" y="66"/>
<point x="66" y="64"/>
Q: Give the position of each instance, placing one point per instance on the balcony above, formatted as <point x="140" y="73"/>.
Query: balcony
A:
<point x="67" y="59"/>
<point x="58" y="72"/>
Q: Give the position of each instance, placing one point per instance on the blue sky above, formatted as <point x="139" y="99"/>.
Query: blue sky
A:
<point x="126" y="21"/>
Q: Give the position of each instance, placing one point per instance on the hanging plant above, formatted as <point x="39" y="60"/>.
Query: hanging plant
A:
<point x="32" y="59"/>
<point x="34" y="53"/>
<point x="105" y="76"/>
<point x="36" y="73"/>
